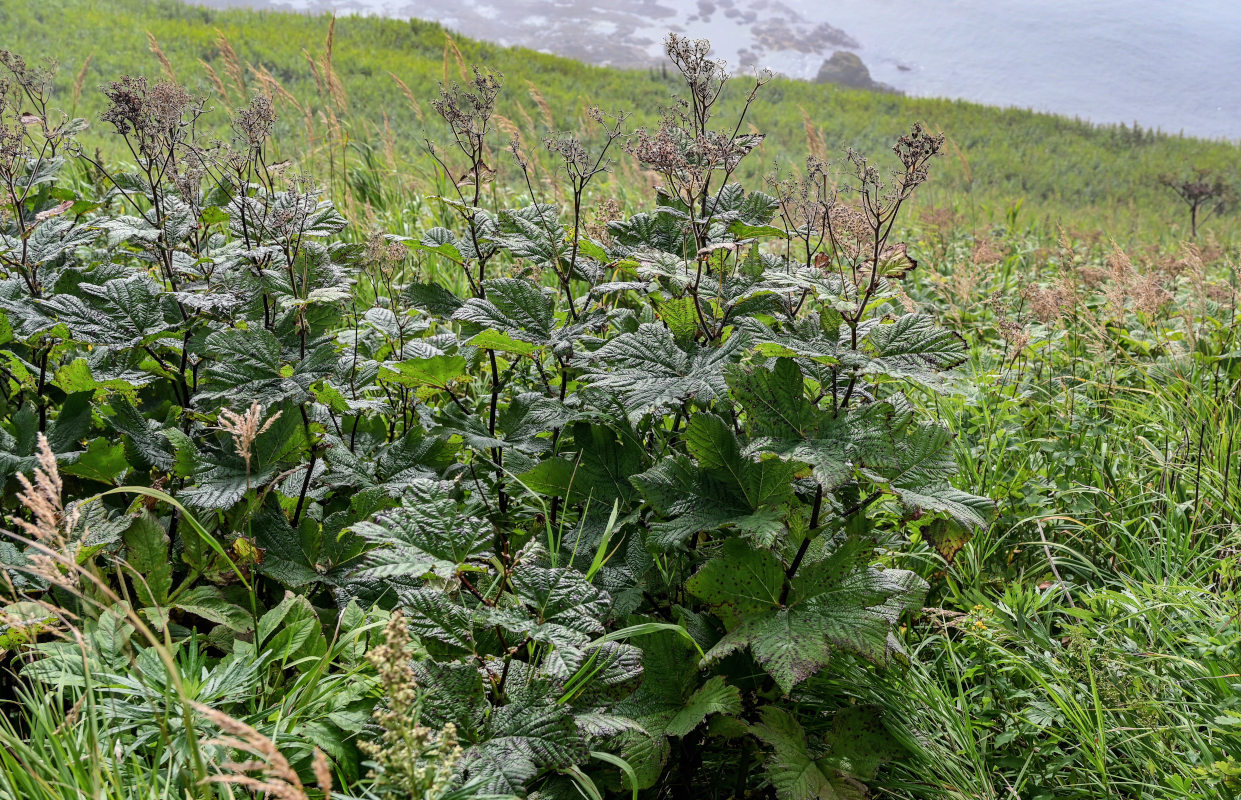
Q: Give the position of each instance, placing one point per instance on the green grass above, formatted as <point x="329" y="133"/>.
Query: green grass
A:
<point x="1045" y="170"/>
<point x="1086" y="644"/>
<point x="1096" y="655"/>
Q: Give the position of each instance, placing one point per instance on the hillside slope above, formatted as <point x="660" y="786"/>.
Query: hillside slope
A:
<point x="1062" y="171"/>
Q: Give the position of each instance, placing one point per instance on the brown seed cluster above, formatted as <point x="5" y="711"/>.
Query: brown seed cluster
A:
<point x="468" y="109"/>
<point x="253" y="124"/>
<point x="156" y="116"/>
<point x="383" y="253"/>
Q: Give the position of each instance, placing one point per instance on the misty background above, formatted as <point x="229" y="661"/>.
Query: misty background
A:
<point x="1173" y="66"/>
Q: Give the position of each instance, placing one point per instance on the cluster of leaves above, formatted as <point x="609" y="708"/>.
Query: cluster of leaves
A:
<point x="627" y="515"/>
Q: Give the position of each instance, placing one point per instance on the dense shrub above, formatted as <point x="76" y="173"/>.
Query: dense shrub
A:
<point x="630" y="480"/>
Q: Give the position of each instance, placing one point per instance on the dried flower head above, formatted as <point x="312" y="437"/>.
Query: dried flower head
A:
<point x="468" y="109"/>
<point x="187" y="177"/>
<point x="514" y="149"/>
<point x="664" y="150"/>
<point x="126" y="103"/>
<point x="383" y="253"/>
<point x="606" y="210"/>
<point x="14" y="145"/>
<point x="158" y="118"/>
<point x="866" y="174"/>
<point x="253" y="124"/>
<point x="986" y="253"/>
<point x="705" y="76"/>
<point x="1015" y="335"/>
<point x="850" y="223"/>
<point x="290" y="210"/>
<point x="570" y="149"/>
<point x="35" y="80"/>
<point x="805" y="200"/>
<point x="915" y="150"/>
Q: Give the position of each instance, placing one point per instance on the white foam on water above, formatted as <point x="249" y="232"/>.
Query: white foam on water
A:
<point x="1167" y="65"/>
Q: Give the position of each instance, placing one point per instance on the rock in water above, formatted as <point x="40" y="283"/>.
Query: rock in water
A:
<point x="846" y="69"/>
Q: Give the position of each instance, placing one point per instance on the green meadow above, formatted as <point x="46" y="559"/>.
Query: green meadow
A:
<point x="385" y="414"/>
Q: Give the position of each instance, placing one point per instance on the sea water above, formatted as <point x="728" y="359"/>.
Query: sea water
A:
<point x="1174" y="65"/>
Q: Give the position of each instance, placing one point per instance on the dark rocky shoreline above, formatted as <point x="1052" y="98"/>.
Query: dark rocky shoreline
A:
<point x="750" y="34"/>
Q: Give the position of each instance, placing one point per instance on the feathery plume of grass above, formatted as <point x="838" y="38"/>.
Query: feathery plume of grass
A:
<point x="50" y="522"/>
<point x="961" y="283"/>
<point x="1120" y="276"/>
<point x="164" y="63"/>
<point x="216" y="82"/>
<point x="1195" y="270"/>
<point x="507" y="126"/>
<point x="335" y="89"/>
<point x="529" y="122"/>
<point x="1149" y="295"/>
<point x="268" y="772"/>
<point x="387" y="138"/>
<point x="245" y="428"/>
<point x="232" y="63"/>
<point x="332" y="96"/>
<point x="409" y="95"/>
<point x="966" y="171"/>
<point x="322" y="770"/>
<point x="986" y="253"/>
<point x="545" y="110"/>
<point x="815" y="143"/>
<point x="316" y="72"/>
<point x="79" y="80"/>
<point x="450" y="47"/>
<point x="274" y="88"/>
<point x="1049" y="304"/>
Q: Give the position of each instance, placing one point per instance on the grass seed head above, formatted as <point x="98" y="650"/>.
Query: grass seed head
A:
<point x="50" y="523"/>
<point x="245" y="428"/>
